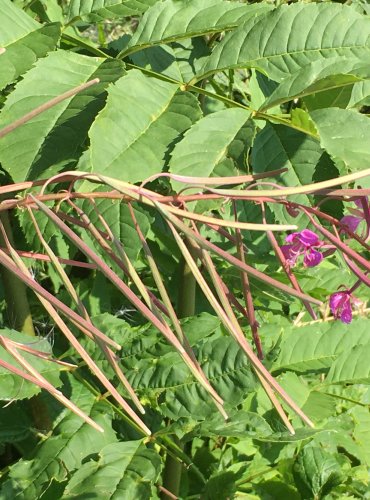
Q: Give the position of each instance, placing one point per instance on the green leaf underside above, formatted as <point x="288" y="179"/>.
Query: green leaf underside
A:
<point x="31" y="148"/>
<point x="132" y="136"/>
<point x="290" y="37"/>
<point x="205" y="145"/>
<point x="306" y="350"/>
<point x="13" y="387"/>
<point x="351" y="366"/>
<point x="318" y="76"/>
<point x="170" y="20"/>
<point x="100" y="10"/>
<point x="24" y="39"/>
<point x="124" y="470"/>
<point x="345" y="135"/>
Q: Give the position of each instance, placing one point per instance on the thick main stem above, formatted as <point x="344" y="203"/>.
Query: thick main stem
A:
<point x="18" y="310"/>
<point x="185" y="307"/>
<point x="20" y="317"/>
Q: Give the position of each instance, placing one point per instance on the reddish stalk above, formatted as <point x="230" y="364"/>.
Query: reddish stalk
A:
<point x="279" y="254"/>
<point x="102" y="238"/>
<point x="339" y="244"/>
<point x="247" y="291"/>
<point x="44" y="107"/>
<point x="45" y="258"/>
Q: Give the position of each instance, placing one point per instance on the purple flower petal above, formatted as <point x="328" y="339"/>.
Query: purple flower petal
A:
<point x="312" y="258"/>
<point x="358" y="202"/>
<point x="351" y="222"/>
<point x="292" y="237"/>
<point x="341" y="307"/>
<point x="308" y="238"/>
<point x="335" y="301"/>
<point x="289" y="253"/>
<point x="346" y="314"/>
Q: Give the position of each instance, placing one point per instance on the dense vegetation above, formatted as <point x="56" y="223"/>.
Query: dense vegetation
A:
<point x="184" y="226"/>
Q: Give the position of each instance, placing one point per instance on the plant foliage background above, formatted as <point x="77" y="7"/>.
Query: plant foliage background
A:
<point x="197" y="88"/>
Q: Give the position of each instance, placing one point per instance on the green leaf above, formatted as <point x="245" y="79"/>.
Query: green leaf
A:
<point x="316" y="472"/>
<point x="47" y="10"/>
<point x="124" y="470"/>
<point x="305" y="349"/>
<point x="168" y="381"/>
<point x="179" y="60"/>
<point x="361" y="432"/>
<point x="220" y="485"/>
<point x="53" y="138"/>
<point x="118" y="218"/>
<point x="344" y="133"/>
<point x="319" y="406"/>
<point x="336" y="97"/>
<point x="25" y="41"/>
<point x="57" y="241"/>
<point x="352" y="366"/>
<point x="15" y="423"/>
<point x="132" y="136"/>
<point x="302" y="120"/>
<point x="277" y="146"/>
<point x="318" y="76"/>
<point x="145" y="341"/>
<point x="59" y="455"/>
<point x="283" y="41"/>
<point x="13" y="387"/>
<point x="99" y="10"/>
<point x="239" y="425"/>
<point x="360" y="95"/>
<point x="274" y="488"/>
<point x="206" y="144"/>
<point x="172" y="20"/>
<point x="296" y="387"/>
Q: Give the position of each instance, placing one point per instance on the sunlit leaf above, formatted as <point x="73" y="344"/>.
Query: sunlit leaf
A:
<point x="53" y="138"/>
<point x="132" y="136"/>
<point x="283" y="41"/>
<point x="127" y="469"/>
<point x="25" y="41"/>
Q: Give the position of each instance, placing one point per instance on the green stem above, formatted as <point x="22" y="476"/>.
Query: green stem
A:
<point x="78" y="42"/>
<point x="350" y="400"/>
<point x="164" y="442"/>
<point x="20" y="319"/>
<point x="185" y="307"/>
<point x="187" y="292"/>
<point x="229" y="102"/>
<point x="19" y="314"/>
<point x="249" y="478"/>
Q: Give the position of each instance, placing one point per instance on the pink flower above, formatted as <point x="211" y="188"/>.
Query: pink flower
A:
<point x="303" y="243"/>
<point x="341" y="304"/>
<point x="353" y="221"/>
